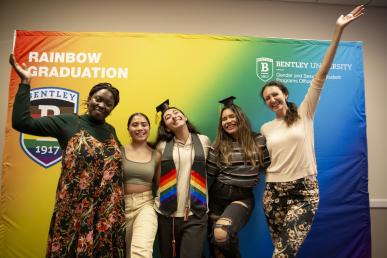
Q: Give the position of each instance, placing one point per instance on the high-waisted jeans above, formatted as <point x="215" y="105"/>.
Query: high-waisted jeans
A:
<point x="141" y="225"/>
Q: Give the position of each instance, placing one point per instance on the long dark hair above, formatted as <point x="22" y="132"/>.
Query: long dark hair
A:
<point x="291" y="115"/>
<point x="138" y="114"/>
<point x="223" y="141"/>
<point x="164" y="135"/>
<point x="150" y="144"/>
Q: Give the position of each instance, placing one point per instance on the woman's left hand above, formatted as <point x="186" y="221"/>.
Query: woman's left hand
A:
<point x="344" y="20"/>
<point x="21" y="70"/>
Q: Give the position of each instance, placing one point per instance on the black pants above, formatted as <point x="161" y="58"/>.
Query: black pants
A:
<point x="235" y="205"/>
<point x="189" y="236"/>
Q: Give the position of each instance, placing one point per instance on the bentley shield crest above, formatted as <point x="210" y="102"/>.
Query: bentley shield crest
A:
<point x="264" y="68"/>
<point x="47" y="101"/>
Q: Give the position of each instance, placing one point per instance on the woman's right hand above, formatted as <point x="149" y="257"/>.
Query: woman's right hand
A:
<point x="21" y="70"/>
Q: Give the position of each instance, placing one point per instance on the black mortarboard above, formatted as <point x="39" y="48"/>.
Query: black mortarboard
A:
<point x="163" y="106"/>
<point x="227" y="102"/>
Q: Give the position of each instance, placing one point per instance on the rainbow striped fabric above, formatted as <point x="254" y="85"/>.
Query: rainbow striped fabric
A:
<point x="198" y="189"/>
<point x="168" y="187"/>
<point x="197" y="179"/>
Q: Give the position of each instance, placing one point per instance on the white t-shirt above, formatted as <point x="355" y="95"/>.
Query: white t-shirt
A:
<point x="292" y="148"/>
<point x="183" y="168"/>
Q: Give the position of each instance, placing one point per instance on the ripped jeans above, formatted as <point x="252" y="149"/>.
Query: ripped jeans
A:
<point x="230" y="210"/>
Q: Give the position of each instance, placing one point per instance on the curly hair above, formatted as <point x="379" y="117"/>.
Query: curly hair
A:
<point x="106" y="86"/>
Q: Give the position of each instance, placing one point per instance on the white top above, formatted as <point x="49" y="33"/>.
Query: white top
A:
<point x="183" y="169"/>
<point x="292" y="148"/>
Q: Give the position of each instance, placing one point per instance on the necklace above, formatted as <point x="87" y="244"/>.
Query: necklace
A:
<point x="187" y="202"/>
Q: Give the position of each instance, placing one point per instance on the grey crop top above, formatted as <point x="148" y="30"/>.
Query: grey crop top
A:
<point x="138" y="173"/>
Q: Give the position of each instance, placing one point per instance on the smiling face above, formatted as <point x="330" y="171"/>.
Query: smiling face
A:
<point x="139" y="128"/>
<point x="100" y="104"/>
<point x="174" y="119"/>
<point x="275" y="99"/>
<point x="229" y="122"/>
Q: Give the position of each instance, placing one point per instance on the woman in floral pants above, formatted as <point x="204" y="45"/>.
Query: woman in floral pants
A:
<point x="291" y="195"/>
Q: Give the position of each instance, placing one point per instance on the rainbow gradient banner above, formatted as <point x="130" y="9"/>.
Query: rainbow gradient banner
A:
<point x="194" y="72"/>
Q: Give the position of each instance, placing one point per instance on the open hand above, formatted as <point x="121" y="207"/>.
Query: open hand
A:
<point x="21" y="70"/>
<point x="344" y="20"/>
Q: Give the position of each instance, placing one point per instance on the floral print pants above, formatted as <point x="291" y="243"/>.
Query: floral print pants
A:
<point x="290" y="208"/>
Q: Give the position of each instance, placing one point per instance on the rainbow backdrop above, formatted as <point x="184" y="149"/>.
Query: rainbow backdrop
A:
<point x="194" y="72"/>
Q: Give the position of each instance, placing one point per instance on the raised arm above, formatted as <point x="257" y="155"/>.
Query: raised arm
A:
<point x="21" y="70"/>
<point x="22" y="120"/>
<point x="341" y="23"/>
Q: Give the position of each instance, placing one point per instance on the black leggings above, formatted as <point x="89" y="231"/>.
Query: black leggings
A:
<point x="233" y="205"/>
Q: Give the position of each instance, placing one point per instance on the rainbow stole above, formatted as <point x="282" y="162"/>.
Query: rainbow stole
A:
<point x="198" y="181"/>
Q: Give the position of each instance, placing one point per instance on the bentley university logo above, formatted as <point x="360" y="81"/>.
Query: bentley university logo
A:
<point x="264" y="68"/>
<point x="47" y="101"/>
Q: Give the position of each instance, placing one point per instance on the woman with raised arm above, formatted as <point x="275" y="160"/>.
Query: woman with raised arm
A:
<point x="291" y="195"/>
<point x="88" y="218"/>
<point x="140" y="164"/>
<point x="181" y="201"/>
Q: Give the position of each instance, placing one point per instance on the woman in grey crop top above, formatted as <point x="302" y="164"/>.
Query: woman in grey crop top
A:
<point x="140" y="165"/>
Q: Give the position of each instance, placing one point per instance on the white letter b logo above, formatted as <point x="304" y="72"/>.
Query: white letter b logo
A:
<point x="264" y="67"/>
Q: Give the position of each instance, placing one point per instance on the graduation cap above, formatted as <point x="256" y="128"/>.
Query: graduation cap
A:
<point x="163" y="106"/>
<point x="227" y="102"/>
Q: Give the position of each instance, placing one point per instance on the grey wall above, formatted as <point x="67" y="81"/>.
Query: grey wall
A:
<point x="235" y="17"/>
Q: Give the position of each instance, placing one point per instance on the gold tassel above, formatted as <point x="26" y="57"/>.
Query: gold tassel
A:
<point x="173" y="248"/>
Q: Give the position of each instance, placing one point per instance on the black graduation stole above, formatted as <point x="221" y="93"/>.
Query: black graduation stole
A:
<point x="198" y="181"/>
